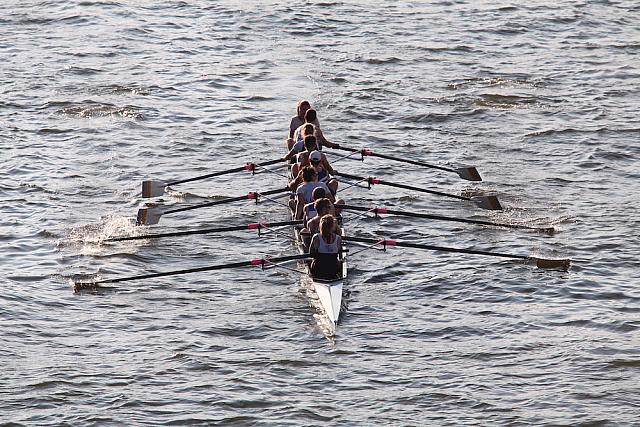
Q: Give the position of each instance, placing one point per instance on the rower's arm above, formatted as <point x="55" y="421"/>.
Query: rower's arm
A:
<point x="324" y="141"/>
<point x="326" y="165"/>
<point x="294" y="183"/>
<point x="292" y="152"/>
<point x="299" y="206"/>
<point x="313" y="246"/>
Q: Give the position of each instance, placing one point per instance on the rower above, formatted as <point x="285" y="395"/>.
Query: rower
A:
<point x="323" y="207"/>
<point x="316" y="159"/>
<point x="297" y="121"/>
<point x="305" y="190"/>
<point x="302" y="157"/>
<point x="311" y="116"/>
<point x="325" y="247"/>
<point x="309" y="210"/>
<point x="307" y="130"/>
<point x="319" y="162"/>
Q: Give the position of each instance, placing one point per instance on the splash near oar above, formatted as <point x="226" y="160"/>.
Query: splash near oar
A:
<point x="540" y="262"/>
<point x="470" y="173"/>
<point x="485" y="202"/>
<point x="155" y="188"/>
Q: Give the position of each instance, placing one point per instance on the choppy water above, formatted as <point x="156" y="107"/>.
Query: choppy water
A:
<point x="541" y="97"/>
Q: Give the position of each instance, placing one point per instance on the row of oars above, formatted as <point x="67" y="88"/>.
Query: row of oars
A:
<point x="150" y="215"/>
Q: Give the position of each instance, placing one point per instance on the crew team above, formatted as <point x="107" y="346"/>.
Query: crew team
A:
<point x="315" y="192"/>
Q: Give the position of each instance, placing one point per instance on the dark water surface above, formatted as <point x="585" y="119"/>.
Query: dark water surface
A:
<point x="541" y="97"/>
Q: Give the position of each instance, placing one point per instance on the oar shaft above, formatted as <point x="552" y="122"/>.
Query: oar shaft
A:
<point x="389" y="242"/>
<point x="372" y="180"/>
<point x="436" y="217"/>
<point x="252" y="226"/>
<point x="413" y="162"/>
<point x="366" y="152"/>
<point x="259" y="261"/>
<point x="247" y="167"/>
<point x="253" y="195"/>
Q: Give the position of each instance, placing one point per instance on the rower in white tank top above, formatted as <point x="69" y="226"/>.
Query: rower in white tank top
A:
<point x="328" y="248"/>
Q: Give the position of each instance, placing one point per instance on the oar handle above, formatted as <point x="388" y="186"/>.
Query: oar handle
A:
<point x="247" y="167"/>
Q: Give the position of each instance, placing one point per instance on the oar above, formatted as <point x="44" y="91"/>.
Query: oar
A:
<point x="485" y="202"/>
<point x="252" y="226"/>
<point x="442" y="218"/>
<point x="153" y="188"/>
<point x="151" y="214"/>
<point x="257" y="261"/>
<point x="540" y="262"/>
<point x="469" y="173"/>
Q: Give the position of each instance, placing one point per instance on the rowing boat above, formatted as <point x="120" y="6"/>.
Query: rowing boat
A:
<point x="329" y="292"/>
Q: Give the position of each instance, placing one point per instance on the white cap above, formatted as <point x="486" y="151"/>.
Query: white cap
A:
<point x="315" y="156"/>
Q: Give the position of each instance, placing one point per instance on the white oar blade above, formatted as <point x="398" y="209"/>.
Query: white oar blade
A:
<point x="152" y="188"/>
<point x="487" y="202"/>
<point x="470" y="174"/>
<point x="148" y="215"/>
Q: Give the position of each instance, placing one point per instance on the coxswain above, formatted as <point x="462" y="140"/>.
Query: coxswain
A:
<point x="304" y="192"/>
<point x="325" y="248"/>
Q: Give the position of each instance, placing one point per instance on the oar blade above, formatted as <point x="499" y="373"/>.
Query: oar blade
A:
<point x="469" y="173"/>
<point x="149" y="215"/>
<point x="487" y="202"/>
<point x="151" y="188"/>
<point x="562" y="264"/>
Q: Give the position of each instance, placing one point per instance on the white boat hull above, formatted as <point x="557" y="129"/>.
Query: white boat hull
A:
<point x="329" y="292"/>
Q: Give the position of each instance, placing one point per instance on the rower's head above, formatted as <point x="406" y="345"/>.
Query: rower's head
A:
<point x="310" y="116"/>
<point x="327" y="225"/>
<point x="322" y="206"/>
<point x="309" y="174"/>
<point x="310" y="143"/>
<point x="315" y="157"/>
<point x="308" y="129"/>
<point x="303" y="106"/>
<point x="318" y="193"/>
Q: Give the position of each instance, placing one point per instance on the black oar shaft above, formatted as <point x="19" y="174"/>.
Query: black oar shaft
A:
<point x="372" y="180"/>
<point x="412" y="162"/>
<point x="259" y="261"/>
<point x="540" y="262"/>
<point x="253" y="195"/>
<point x="247" y="167"/>
<point x="252" y="226"/>
<point x="438" y="217"/>
<point x="366" y="152"/>
<point x="390" y="242"/>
